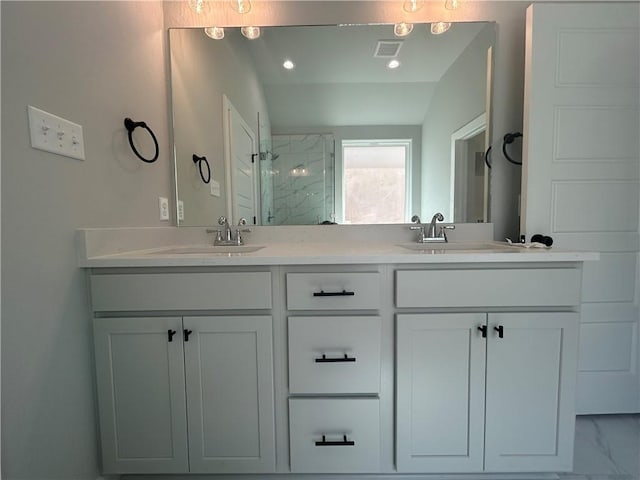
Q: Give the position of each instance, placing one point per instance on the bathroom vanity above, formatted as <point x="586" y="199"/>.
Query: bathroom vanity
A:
<point x="334" y="357"/>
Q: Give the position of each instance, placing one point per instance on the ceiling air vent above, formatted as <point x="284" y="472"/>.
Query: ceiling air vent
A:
<point x="387" y="48"/>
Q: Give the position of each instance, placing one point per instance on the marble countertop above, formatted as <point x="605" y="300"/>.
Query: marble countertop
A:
<point x="310" y="253"/>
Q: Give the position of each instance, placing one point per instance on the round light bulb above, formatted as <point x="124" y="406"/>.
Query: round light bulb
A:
<point x="217" y="33"/>
<point x="393" y="64"/>
<point x="413" y="6"/>
<point x="197" y="6"/>
<point x="440" y="27"/>
<point x="289" y="65"/>
<point x="402" y="29"/>
<point x="241" y="6"/>
<point x="250" y="32"/>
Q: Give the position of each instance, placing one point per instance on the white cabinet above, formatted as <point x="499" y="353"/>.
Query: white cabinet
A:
<point x="161" y="377"/>
<point x="141" y="385"/>
<point x="527" y="423"/>
<point x="185" y="393"/>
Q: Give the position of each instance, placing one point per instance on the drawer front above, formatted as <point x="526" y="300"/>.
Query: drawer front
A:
<point x="181" y="291"/>
<point x="333" y="291"/>
<point x="317" y="430"/>
<point x="488" y="288"/>
<point x="334" y="354"/>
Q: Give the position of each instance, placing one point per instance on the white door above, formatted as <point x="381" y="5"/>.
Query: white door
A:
<point x="530" y="392"/>
<point x="141" y="396"/>
<point x="240" y="148"/>
<point x="581" y="177"/>
<point x="229" y="365"/>
<point x="440" y="393"/>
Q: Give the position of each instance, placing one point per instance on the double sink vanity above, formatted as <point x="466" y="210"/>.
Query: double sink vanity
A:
<point x="332" y="350"/>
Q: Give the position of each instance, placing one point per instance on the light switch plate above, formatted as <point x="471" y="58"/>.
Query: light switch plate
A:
<point x="180" y="210"/>
<point x="55" y="134"/>
<point x="163" y="204"/>
<point x="215" y="188"/>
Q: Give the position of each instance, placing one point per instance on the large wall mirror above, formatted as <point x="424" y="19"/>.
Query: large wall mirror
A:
<point x="324" y="124"/>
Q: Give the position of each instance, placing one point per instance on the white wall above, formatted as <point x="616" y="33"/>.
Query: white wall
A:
<point x="459" y="97"/>
<point x="202" y="71"/>
<point x="94" y="63"/>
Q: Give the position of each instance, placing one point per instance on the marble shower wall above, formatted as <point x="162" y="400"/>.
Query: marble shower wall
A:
<point x="303" y="179"/>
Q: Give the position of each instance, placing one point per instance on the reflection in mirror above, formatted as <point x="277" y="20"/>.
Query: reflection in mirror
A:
<point x="281" y="141"/>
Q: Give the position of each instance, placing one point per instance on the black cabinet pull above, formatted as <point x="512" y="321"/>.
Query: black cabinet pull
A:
<point x="483" y="329"/>
<point x="343" y="293"/>
<point x="170" y="334"/>
<point x="324" y="359"/>
<point x="500" y="331"/>
<point x="186" y="333"/>
<point x="341" y="443"/>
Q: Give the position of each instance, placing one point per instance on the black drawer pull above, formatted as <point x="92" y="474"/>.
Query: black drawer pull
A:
<point x="343" y="293"/>
<point x="342" y="443"/>
<point x="346" y="358"/>
<point x="500" y="330"/>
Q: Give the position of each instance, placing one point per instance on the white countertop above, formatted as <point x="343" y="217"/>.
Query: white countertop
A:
<point x="332" y="253"/>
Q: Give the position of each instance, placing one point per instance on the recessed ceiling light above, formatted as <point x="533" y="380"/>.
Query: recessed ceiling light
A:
<point x="393" y="64"/>
<point x="289" y="65"/>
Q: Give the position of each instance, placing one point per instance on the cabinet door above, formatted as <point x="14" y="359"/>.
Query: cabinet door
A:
<point x="140" y="380"/>
<point x="229" y="365"/>
<point x="440" y="393"/>
<point x="531" y="383"/>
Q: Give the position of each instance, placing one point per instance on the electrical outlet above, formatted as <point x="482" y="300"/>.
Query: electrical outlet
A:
<point x="164" y="208"/>
<point x="180" y="210"/>
<point x="54" y="134"/>
<point x="215" y="188"/>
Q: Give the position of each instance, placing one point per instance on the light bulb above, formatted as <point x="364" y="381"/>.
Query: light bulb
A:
<point x="197" y="6"/>
<point x="289" y="65"/>
<point x="412" y="6"/>
<point x="452" y="4"/>
<point x="241" y="6"/>
<point x="402" y="29"/>
<point x="250" y="32"/>
<point x="217" y="33"/>
<point x="440" y="27"/>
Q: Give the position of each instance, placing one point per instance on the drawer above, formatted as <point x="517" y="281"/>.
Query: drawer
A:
<point x="334" y="435"/>
<point x="334" y="354"/>
<point x="181" y="291"/>
<point x="500" y="287"/>
<point x="333" y="291"/>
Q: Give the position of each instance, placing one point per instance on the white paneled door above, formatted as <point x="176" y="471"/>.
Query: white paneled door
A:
<point x="581" y="177"/>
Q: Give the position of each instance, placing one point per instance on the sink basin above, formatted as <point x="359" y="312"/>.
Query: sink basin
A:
<point x="209" y="250"/>
<point x="457" y="246"/>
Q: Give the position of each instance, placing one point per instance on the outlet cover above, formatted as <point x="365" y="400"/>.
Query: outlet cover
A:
<point x="164" y="208"/>
<point x="180" y="210"/>
<point x="55" y="134"/>
<point x="215" y="188"/>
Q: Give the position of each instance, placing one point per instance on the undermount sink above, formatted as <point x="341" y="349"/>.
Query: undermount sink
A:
<point x="209" y="250"/>
<point x="457" y="246"/>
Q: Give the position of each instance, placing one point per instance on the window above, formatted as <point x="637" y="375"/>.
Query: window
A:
<point x="375" y="180"/>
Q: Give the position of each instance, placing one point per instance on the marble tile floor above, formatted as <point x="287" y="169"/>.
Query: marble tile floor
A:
<point x="607" y="448"/>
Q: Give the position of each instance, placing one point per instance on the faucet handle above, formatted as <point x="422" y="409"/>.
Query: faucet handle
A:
<point x="242" y="221"/>
<point x="443" y="232"/>
<point x="222" y="220"/>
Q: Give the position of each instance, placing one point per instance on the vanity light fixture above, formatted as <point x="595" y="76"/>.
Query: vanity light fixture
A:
<point x="393" y="64"/>
<point x="241" y="6"/>
<point x="250" y="32"/>
<point x="289" y="65"/>
<point x="299" y="171"/>
<point x="217" y="33"/>
<point x="413" y="6"/>
<point x="197" y="6"/>
<point x="402" y="29"/>
<point x="438" y="28"/>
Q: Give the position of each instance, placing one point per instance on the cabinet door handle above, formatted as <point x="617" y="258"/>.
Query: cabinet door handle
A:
<point x="170" y="334"/>
<point x="324" y="359"/>
<point x="500" y="331"/>
<point x="341" y="443"/>
<point x="483" y="329"/>
<point x="186" y="334"/>
<point x="343" y="293"/>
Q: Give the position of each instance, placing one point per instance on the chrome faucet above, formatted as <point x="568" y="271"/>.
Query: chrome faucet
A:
<point x="225" y="236"/>
<point x="431" y="236"/>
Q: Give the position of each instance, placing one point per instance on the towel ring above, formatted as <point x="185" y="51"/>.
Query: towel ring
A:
<point x="130" y="125"/>
<point x="200" y="161"/>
